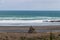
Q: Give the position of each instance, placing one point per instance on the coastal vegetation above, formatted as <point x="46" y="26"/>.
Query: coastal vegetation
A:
<point x="29" y="36"/>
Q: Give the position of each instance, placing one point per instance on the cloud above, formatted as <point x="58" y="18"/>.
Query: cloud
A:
<point x="25" y="0"/>
<point x="18" y="0"/>
<point x="30" y="4"/>
<point x="1" y="2"/>
<point x="16" y="4"/>
<point x="46" y="4"/>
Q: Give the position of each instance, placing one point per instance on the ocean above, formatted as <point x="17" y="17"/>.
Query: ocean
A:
<point x="29" y="18"/>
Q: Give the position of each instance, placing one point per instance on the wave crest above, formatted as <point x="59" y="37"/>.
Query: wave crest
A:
<point x="29" y="18"/>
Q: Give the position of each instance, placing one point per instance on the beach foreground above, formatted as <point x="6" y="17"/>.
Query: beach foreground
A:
<point x="20" y="33"/>
<point x="29" y="36"/>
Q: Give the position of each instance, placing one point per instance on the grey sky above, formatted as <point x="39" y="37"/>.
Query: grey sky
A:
<point x="29" y="4"/>
<point x="46" y="4"/>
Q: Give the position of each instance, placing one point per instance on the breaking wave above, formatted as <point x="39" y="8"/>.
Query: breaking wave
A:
<point x="27" y="19"/>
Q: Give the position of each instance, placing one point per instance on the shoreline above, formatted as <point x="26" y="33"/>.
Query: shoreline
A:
<point x="26" y="28"/>
<point x="40" y="27"/>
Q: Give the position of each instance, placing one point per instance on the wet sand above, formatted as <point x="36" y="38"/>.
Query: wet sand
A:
<point x="20" y="28"/>
<point x="27" y="27"/>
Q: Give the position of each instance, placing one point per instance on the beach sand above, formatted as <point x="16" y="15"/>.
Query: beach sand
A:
<point x="29" y="36"/>
<point x="27" y="27"/>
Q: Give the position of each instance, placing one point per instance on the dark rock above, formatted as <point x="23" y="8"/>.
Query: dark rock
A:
<point x="31" y="30"/>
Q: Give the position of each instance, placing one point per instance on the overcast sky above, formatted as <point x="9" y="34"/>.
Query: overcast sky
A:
<point x="29" y="4"/>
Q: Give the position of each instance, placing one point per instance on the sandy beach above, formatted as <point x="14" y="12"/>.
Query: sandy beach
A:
<point x="27" y="27"/>
<point x="10" y="33"/>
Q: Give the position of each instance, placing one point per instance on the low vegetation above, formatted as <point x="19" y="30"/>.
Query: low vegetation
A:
<point x="30" y="36"/>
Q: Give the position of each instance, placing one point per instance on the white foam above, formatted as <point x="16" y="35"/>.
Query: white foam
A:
<point x="27" y="23"/>
<point x="27" y="19"/>
<point x="21" y="21"/>
<point x="42" y="18"/>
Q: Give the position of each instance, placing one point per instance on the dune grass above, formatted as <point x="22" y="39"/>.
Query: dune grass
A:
<point x="31" y="36"/>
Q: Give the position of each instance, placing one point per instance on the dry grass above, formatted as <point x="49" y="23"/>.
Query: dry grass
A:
<point x="29" y="36"/>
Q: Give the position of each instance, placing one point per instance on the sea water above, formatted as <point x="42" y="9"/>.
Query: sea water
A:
<point x="29" y="18"/>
